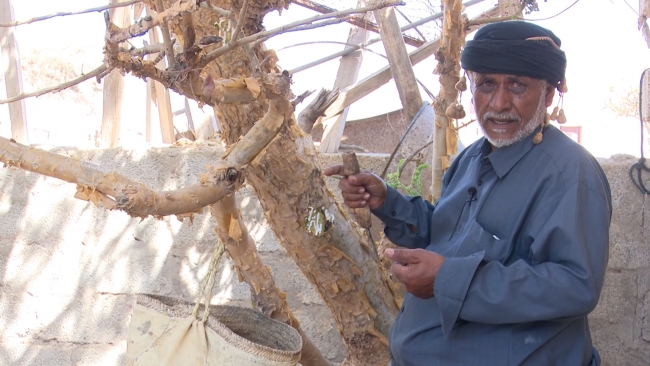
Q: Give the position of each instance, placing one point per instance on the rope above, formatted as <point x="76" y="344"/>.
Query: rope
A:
<point x="205" y="295"/>
<point x="639" y="167"/>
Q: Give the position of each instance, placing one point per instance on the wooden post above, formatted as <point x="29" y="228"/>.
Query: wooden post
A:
<point x="375" y="81"/>
<point x="346" y="76"/>
<point x="203" y="120"/>
<point x="381" y="77"/>
<point x="113" y="88"/>
<point x="13" y="74"/>
<point x="150" y="98"/>
<point x="161" y="95"/>
<point x="400" y="64"/>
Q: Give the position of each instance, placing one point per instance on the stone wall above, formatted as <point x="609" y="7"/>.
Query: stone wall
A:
<point x="620" y="324"/>
<point x="69" y="271"/>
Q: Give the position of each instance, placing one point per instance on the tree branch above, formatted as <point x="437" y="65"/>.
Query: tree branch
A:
<point x="221" y="12"/>
<point x="60" y="14"/>
<point x="410" y="157"/>
<point x="190" y="83"/>
<point x="97" y="72"/>
<point x="240" y="21"/>
<point x="171" y="61"/>
<point x="360" y="22"/>
<point x="316" y="108"/>
<point x="465" y="124"/>
<point x="374" y="40"/>
<point x="301" y="23"/>
<point x="567" y="8"/>
<point x="146" y="50"/>
<point x="268" y="298"/>
<point x="260" y="135"/>
<point x="116" y="35"/>
<point x="483" y="21"/>
<point x="115" y="191"/>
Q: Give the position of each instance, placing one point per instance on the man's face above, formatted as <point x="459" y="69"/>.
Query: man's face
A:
<point x="509" y="108"/>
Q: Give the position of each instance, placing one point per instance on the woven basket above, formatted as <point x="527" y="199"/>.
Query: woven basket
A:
<point x="163" y="331"/>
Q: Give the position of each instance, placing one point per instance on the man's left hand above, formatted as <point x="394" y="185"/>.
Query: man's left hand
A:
<point x="416" y="269"/>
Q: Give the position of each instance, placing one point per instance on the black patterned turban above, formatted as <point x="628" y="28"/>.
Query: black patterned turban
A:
<point x="516" y="48"/>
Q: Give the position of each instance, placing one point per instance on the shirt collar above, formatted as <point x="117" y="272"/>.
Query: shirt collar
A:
<point x="504" y="158"/>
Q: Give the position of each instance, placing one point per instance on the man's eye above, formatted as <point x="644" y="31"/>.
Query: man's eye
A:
<point x="485" y="85"/>
<point x="517" y="86"/>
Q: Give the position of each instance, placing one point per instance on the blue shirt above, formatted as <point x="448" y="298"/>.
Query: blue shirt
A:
<point x="524" y="230"/>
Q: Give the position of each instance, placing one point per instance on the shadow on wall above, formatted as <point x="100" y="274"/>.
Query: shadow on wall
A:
<point x="69" y="270"/>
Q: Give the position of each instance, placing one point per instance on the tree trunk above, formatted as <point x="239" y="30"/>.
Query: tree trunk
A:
<point x="448" y="56"/>
<point x="327" y="247"/>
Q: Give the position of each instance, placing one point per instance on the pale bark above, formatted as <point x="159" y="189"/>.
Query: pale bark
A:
<point x="115" y="191"/>
<point x="448" y="56"/>
<point x="117" y="34"/>
<point x="308" y="117"/>
<point x="327" y="247"/>
<point x="268" y="298"/>
<point x="96" y="73"/>
<point x="62" y="14"/>
<point x="363" y="23"/>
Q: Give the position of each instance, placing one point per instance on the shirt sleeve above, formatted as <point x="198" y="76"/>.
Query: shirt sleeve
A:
<point x="562" y="277"/>
<point x="407" y="220"/>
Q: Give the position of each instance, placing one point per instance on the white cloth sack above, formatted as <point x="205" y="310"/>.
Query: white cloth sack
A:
<point x="163" y="332"/>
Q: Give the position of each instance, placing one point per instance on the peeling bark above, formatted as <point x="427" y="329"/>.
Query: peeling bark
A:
<point x="268" y="298"/>
<point x="326" y="245"/>
<point x="115" y="191"/>
<point x="117" y="35"/>
<point x="330" y="250"/>
<point x="448" y="56"/>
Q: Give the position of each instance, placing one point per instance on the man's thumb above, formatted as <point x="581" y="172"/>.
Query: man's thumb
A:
<point x="399" y="255"/>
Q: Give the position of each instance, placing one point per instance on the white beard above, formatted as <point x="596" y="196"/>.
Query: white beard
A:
<point x="528" y="128"/>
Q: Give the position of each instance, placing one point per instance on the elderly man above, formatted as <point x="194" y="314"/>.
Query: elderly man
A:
<point x="505" y="267"/>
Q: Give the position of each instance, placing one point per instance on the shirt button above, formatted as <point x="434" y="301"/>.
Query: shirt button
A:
<point x="394" y="213"/>
<point x="479" y="182"/>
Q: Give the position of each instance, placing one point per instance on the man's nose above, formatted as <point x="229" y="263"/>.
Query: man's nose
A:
<point x="500" y="101"/>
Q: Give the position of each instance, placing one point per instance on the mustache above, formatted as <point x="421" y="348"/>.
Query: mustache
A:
<point x="509" y="117"/>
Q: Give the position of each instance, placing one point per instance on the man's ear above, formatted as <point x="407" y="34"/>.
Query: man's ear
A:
<point x="550" y="93"/>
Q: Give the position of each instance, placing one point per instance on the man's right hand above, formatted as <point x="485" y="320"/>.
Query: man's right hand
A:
<point x="360" y="189"/>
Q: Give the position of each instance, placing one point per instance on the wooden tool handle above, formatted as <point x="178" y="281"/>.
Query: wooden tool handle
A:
<point x="350" y="167"/>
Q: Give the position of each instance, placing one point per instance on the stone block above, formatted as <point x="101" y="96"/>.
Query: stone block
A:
<point x="630" y="226"/>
